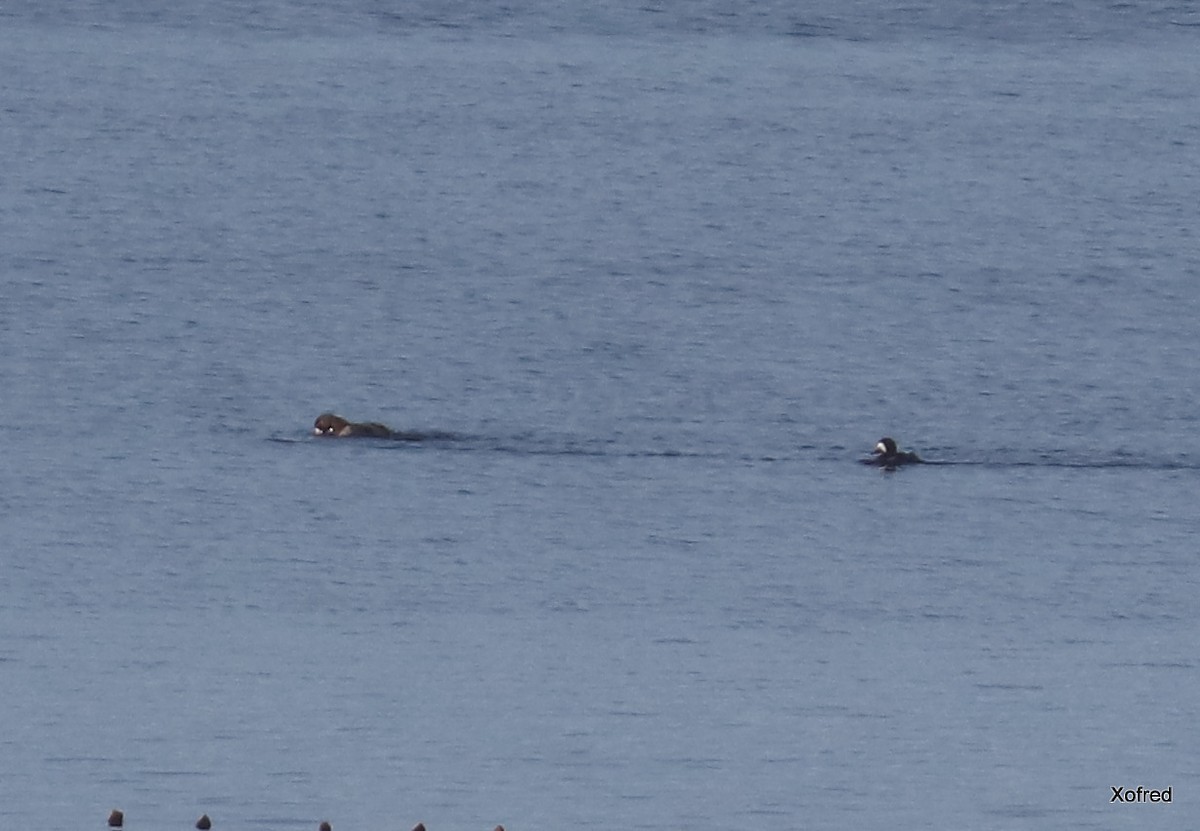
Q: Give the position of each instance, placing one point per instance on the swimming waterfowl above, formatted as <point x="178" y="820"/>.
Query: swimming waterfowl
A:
<point x="887" y="456"/>
<point x="334" y="426"/>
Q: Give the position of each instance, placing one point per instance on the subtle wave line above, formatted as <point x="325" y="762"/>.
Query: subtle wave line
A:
<point x="600" y="448"/>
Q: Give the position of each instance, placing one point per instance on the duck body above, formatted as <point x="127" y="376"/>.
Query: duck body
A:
<point x="329" y="425"/>
<point x="889" y="457"/>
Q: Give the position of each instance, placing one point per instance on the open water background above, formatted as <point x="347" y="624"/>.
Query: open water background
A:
<point x="663" y="272"/>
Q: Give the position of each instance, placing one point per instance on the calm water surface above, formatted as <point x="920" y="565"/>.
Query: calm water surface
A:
<point x="661" y="276"/>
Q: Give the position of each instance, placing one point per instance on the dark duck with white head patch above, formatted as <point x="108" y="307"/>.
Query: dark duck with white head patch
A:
<point x="329" y="425"/>
<point x="887" y="456"/>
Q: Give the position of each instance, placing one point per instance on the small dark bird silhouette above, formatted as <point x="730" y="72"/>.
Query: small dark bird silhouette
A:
<point x="116" y="819"/>
<point x="329" y="425"/>
<point x="887" y="456"/>
<point x="324" y="826"/>
<point x="420" y="826"/>
<point x="204" y="823"/>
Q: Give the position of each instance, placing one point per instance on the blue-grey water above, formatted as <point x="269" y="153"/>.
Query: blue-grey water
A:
<point x="659" y="275"/>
